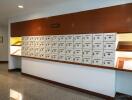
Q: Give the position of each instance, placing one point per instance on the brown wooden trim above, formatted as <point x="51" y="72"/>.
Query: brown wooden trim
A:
<point x="71" y="87"/>
<point x="124" y="50"/>
<point x="124" y="70"/>
<point x="16" y="45"/>
<point x="118" y="94"/>
<point x="16" y="55"/>
<point x="1" y="62"/>
<point x="120" y="63"/>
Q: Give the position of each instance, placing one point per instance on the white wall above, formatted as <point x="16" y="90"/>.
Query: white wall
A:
<point x="70" y="6"/>
<point x="4" y="45"/>
<point x="124" y="82"/>
<point x="92" y="79"/>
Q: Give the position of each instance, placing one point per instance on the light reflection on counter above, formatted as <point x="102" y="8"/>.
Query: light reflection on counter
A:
<point x="127" y="65"/>
<point x="15" y="95"/>
<point x="15" y="50"/>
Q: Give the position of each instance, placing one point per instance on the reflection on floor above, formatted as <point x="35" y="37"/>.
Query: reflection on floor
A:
<point x="14" y="86"/>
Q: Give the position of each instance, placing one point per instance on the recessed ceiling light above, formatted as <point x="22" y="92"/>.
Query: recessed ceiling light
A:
<point x="20" y="6"/>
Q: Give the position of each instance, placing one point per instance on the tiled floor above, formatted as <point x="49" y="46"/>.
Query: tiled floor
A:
<point x="17" y="86"/>
<point x="14" y="86"/>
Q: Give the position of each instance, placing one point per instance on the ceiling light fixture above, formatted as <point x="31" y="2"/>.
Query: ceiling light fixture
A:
<point x="20" y="6"/>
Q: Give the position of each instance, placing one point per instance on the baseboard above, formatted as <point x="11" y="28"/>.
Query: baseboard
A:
<point x="122" y="96"/>
<point x="14" y="70"/>
<point x="71" y="87"/>
<point x="2" y="62"/>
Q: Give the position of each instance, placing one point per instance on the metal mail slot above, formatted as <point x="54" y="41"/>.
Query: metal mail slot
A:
<point x="54" y="57"/>
<point x="69" y="58"/>
<point x="61" y="51"/>
<point x="87" y="53"/>
<point x="61" y="38"/>
<point x="108" y="62"/>
<point x="42" y="49"/>
<point x="47" y="50"/>
<point x="78" y="52"/>
<point x="87" y="60"/>
<point x="47" y="38"/>
<point x="98" y="45"/>
<point x="54" y="51"/>
<point x="69" y="44"/>
<point x="47" y="56"/>
<point x="42" y="44"/>
<point x="61" y="45"/>
<point x="43" y="38"/>
<point x="109" y="45"/>
<point x="54" y="44"/>
<point x="61" y="57"/>
<point x="97" y="37"/>
<point x="109" y="54"/>
<point x="36" y="50"/>
<point x="37" y="44"/>
<point x="42" y="55"/>
<point x="77" y="45"/>
<point x="97" y="53"/>
<point x="87" y="37"/>
<point x="78" y="59"/>
<point x="31" y="54"/>
<point x="109" y="37"/>
<point x="78" y="37"/>
<point x="55" y="38"/>
<point x="69" y="38"/>
<point x="87" y="45"/>
<point x="47" y="45"/>
<point x="69" y="51"/>
<point x="36" y="55"/>
<point x="96" y="61"/>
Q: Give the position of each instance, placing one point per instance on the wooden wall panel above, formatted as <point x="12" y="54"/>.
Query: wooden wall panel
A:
<point x="110" y="19"/>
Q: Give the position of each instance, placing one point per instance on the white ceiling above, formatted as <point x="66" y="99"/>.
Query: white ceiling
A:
<point x="9" y="8"/>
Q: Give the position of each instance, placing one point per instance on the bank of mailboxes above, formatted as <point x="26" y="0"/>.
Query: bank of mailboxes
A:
<point x="96" y="49"/>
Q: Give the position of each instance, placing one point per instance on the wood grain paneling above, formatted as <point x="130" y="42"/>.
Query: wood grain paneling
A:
<point x="120" y="63"/>
<point x="110" y="19"/>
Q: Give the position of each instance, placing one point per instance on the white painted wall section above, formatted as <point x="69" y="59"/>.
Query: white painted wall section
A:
<point x="124" y="82"/>
<point x="93" y="79"/>
<point x="4" y="45"/>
